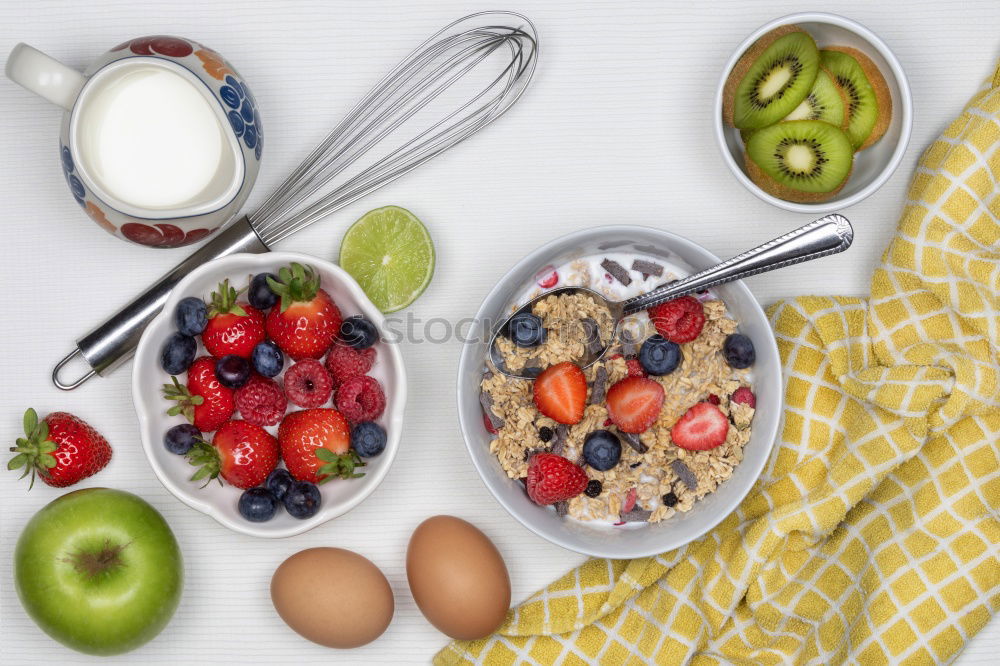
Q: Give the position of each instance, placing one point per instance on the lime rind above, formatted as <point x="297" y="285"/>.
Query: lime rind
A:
<point x="390" y="253"/>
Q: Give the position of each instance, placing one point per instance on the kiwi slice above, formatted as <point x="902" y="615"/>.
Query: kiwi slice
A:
<point x="869" y="104"/>
<point x="771" y="78"/>
<point x="800" y="160"/>
<point x="825" y="102"/>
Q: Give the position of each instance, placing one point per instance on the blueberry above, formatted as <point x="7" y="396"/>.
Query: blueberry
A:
<point x="368" y="439"/>
<point x="278" y="482"/>
<point x="302" y="499"/>
<point x="602" y="450"/>
<point x="178" y="353"/>
<point x="258" y="505"/>
<point x="181" y="438"/>
<point x="659" y="356"/>
<point x="358" y="332"/>
<point x="191" y="316"/>
<point x="738" y="351"/>
<point x="267" y="358"/>
<point x="259" y="294"/>
<point x="526" y="330"/>
<point x="232" y="371"/>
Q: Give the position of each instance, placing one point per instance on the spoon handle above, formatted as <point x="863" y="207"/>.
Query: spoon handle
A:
<point x="827" y="235"/>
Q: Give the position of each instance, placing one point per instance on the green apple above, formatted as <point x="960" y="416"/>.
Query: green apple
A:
<point x="99" y="570"/>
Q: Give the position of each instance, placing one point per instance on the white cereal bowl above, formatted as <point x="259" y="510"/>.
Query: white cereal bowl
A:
<point x="872" y="166"/>
<point x="605" y="540"/>
<point x="220" y="502"/>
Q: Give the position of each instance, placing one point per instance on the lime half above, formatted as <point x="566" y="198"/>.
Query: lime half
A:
<point x="391" y="255"/>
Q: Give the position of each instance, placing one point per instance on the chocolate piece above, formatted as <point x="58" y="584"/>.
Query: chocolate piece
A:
<point x="636" y="515"/>
<point x="647" y="268"/>
<point x="486" y="400"/>
<point x="684" y="473"/>
<point x="559" y="440"/>
<point x="629" y="348"/>
<point x="633" y="440"/>
<point x="592" y="333"/>
<point x="617" y="271"/>
<point x="487" y="374"/>
<point x="531" y="371"/>
<point x="562" y="508"/>
<point x="600" y="386"/>
<point x="635" y="464"/>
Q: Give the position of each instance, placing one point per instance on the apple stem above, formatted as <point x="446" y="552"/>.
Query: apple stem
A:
<point x="94" y="563"/>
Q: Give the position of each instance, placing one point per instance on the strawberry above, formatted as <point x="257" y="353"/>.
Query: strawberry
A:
<point x="305" y="320"/>
<point x="679" y="320"/>
<point x="204" y="401"/>
<point x="561" y="393"/>
<point x="243" y="453"/>
<point x="552" y="479"/>
<point x="233" y="328"/>
<point x="315" y="444"/>
<point x="701" y="428"/>
<point x="634" y="403"/>
<point x="61" y="449"/>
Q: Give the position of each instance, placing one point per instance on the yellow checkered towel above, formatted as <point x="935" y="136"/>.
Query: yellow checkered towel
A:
<point x="873" y="535"/>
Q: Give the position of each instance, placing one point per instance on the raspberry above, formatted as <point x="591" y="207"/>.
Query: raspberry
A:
<point x="344" y="362"/>
<point x="261" y="401"/>
<point x="635" y="368"/>
<point x="714" y="399"/>
<point x="361" y="399"/>
<point x="744" y="396"/>
<point x="308" y="384"/>
<point x="679" y="320"/>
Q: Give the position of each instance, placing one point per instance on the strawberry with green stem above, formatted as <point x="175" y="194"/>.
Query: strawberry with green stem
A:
<point x="61" y="449"/>
<point x="316" y="446"/>
<point x="204" y="401"/>
<point x="233" y="327"/>
<point x="242" y="453"/>
<point x="305" y="321"/>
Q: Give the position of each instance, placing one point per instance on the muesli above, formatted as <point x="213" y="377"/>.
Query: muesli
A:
<point x="653" y="427"/>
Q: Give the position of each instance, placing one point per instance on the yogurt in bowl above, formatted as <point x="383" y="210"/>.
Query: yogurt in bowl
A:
<point x="629" y="516"/>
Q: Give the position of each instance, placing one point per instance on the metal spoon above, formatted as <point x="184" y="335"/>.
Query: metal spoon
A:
<point x="828" y="235"/>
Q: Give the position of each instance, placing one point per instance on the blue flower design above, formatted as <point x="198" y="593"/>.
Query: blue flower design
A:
<point x="75" y="185"/>
<point x="244" y="116"/>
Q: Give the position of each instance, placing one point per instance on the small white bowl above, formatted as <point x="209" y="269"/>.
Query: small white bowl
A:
<point x="872" y="166"/>
<point x="220" y="502"/>
<point x="595" y="539"/>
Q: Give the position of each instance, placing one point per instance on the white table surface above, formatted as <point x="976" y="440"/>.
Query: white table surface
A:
<point x="615" y="128"/>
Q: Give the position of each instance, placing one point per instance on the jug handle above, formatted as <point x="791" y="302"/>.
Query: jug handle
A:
<point x="44" y="76"/>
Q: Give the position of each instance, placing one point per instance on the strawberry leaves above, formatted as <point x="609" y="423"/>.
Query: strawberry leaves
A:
<point x="295" y="284"/>
<point x="185" y="401"/>
<point x="338" y="465"/>
<point x="204" y="456"/>
<point x="223" y="301"/>
<point x="34" y="450"/>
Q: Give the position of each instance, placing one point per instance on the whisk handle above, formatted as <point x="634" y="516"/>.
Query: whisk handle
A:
<point x="114" y="341"/>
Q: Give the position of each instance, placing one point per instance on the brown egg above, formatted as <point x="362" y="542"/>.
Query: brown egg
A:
<point x="457" y="577"/>
<point x="332" y="597"/>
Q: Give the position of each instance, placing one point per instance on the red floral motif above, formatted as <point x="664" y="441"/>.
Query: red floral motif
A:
<point x="97" y="215"/>
<point x="158" y="44"/>
<point x="161" y="235"/>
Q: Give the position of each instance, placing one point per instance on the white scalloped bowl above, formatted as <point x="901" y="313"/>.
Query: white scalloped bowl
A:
<point x="220" y="502"/>
<point x="604" y="540"/>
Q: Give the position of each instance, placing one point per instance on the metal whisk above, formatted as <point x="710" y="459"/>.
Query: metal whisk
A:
<point x="500" y="47"/>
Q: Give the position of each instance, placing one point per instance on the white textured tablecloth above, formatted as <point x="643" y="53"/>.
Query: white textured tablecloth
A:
<point x="616" y="128"/>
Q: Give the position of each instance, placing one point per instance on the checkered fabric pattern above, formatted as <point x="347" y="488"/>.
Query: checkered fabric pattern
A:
<point x="873" y="535"/>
